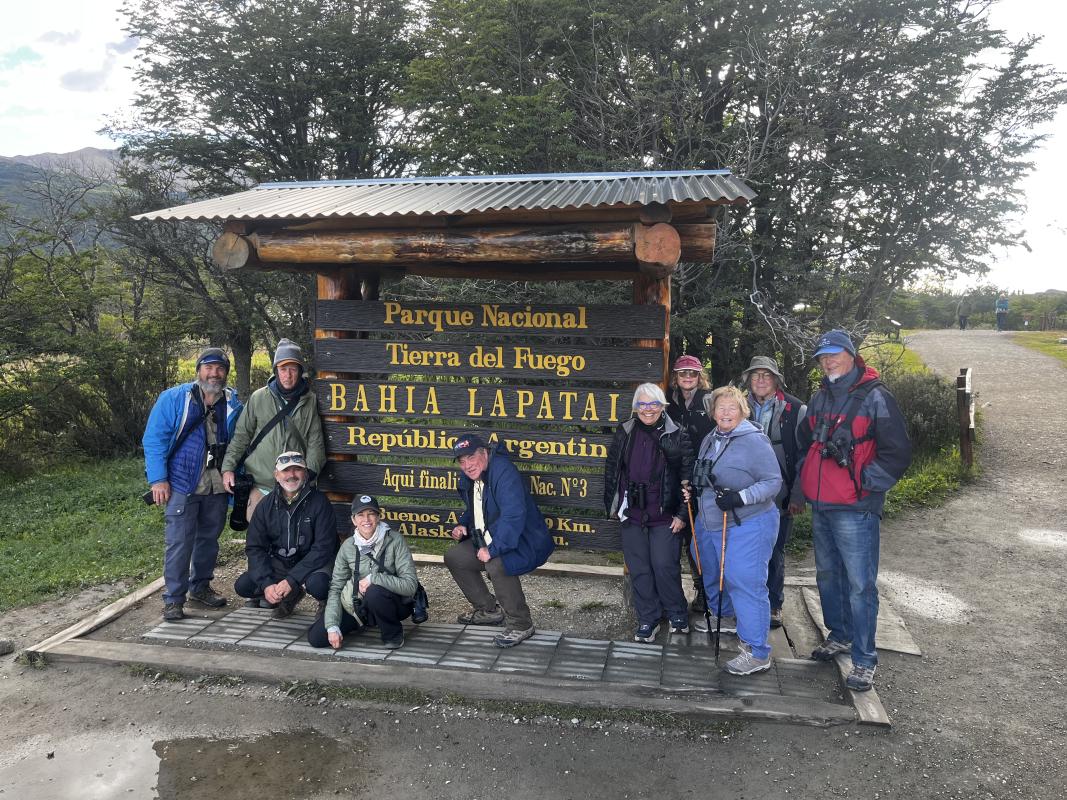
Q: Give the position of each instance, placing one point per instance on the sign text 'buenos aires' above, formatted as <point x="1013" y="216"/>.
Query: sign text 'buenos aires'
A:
<point x="639" y="322"/>
<point x="483" y="401"/>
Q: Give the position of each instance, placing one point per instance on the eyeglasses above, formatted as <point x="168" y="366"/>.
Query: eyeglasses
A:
<point x="688" y="373"/>
<point x="763" y="376"/>
<point x="651" y="405"/>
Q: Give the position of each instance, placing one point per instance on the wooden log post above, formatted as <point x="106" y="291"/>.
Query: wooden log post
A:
<point x="965" y="413"/>
<point x="653" y="291"/>
<point x="339" y="285"/>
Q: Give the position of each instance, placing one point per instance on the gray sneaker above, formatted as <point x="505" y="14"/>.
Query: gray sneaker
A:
<point x="476" y="616"/>
<point x="744" y="663"/>
<point x="729" y="625"/>
<point x="830" y="648"/>
<point x="512" y="637"/>
<point x="861" y="679"/>
<point x="208" y="597"/>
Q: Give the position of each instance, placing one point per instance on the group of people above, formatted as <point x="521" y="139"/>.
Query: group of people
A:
<point x="719" y="473"/>
<point x="200" y="437"/>
<point x="965" y="307"/>
<point x="749" y="459"/>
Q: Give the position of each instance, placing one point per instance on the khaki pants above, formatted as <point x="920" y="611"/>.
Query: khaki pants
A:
<point x="466" y="569"/>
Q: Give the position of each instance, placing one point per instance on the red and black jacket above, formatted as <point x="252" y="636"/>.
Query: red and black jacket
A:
<point x="877" y="442"/>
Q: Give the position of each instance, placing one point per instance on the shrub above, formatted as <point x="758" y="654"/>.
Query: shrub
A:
<point x="928" y="403"/>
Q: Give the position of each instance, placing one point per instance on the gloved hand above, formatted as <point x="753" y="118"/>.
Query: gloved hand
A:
<point x="728" y="499"/>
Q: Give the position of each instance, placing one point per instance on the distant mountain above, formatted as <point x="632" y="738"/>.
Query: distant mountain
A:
<point x="17" y="172"/>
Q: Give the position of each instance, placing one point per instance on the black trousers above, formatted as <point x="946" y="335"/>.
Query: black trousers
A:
<point x="381" y="608"/>
<point x="317" y="583"/>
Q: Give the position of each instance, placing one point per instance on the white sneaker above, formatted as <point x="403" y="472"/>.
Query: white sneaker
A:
<point x="744" y="663"/>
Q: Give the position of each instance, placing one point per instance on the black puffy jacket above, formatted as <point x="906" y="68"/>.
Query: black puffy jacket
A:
<point x="677" y="465"/>
<point x="693" y="418"/>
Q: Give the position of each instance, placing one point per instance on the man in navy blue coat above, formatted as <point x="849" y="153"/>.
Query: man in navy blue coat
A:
<point x="501" y="532"/>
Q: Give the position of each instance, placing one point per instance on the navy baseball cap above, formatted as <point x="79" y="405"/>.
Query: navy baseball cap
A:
<point x="834" y="342"/>
<point x="465" y="445"/>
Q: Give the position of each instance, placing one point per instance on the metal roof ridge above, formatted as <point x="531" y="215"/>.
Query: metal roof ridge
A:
<point x="521" y="178"/>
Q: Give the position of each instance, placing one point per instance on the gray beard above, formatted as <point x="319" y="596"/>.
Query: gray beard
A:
<point x="207" y="387"/>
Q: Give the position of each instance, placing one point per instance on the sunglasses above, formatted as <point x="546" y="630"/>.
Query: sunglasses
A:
<point x="285" y="461"/>
<point x="688" y="373"/>
<point x="651" y="405"/>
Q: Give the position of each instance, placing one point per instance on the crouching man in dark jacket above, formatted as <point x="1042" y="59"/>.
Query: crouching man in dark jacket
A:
<point x="501" y="532"/>
<point x="291" y="543"/>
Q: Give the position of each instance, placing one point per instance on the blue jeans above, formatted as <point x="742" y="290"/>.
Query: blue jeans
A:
<point x="846" y="571"/>
<point x="748" y="549"/>
<point x="191" y="527"/>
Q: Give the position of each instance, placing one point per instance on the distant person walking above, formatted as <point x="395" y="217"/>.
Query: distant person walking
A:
<point x="1002" y="312"/>
<point x="963" y="310"/>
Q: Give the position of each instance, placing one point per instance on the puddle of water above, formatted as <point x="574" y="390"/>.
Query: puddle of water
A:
<point x="1044" y="536"/>
<point x="279" y="765"/>
<point x="924" y="598"/>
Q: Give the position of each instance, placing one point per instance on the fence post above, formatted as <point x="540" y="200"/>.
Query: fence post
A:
<point x="965" y="411"/>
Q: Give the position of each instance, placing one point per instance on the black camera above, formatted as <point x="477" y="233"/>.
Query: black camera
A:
<point x="637" y="496"/>
<point x="215" y="454"/>
<point x="703" y="477"/>
<point x="834" y="450"/>
<point x="479" y="539"/>
<point x="243" y="485"/>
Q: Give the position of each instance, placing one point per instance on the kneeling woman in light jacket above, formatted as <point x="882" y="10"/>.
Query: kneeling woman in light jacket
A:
<point x="373" y="582"/>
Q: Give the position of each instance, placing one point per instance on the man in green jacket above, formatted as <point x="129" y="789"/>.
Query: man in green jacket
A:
<point x="299" y="429"/>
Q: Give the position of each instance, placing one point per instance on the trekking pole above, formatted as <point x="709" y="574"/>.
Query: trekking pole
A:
<point x="700" y="574"/>
<point x="722" y="571"/>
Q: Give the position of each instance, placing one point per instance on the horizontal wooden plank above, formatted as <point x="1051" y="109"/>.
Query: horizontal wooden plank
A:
<point x="583" y="532"/>
<point x="388" y="480"/>
<point x="548" y="361"/>
<point x="541" y="447"/>
<point x="486" y="402"/>
<point x="550" y="567"/>
<point x="631" y="322"/>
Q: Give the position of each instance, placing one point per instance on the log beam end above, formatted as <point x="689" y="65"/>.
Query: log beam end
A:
<point x="233" y="251"/>
<point x="657" y="248"/>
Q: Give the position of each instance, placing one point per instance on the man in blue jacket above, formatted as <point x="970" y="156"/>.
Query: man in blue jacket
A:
<point x="502" y="533"/>
<point x="184" y="444"/>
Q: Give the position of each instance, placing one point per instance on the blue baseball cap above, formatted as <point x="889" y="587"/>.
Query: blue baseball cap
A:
<point x="466" y="445"/>
<point x="834" y="342"/>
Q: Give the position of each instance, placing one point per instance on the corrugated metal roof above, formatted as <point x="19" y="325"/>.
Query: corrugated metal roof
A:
<point x="383" y="197"/>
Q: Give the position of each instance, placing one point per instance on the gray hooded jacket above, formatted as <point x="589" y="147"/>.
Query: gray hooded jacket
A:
<point x="745" y="462"/>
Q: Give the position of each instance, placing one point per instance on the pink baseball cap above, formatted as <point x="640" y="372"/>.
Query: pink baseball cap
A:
<point x="688" y="362"/>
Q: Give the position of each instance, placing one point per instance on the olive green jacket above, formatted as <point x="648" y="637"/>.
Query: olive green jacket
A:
<point x="392" y="553"/>
<point x="301" y="430"/>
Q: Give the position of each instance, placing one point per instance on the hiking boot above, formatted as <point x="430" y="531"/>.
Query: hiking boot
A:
<point x="646" y="633"/>
<point x="776" y="618"/>
<point x="172" y="612"/>
<point x="861" y="679"/>
<point x="679" y="625"/>
<point x="512" y="637"/>
<point x="288" y="604"/>
<point x="208" y="597"/>
<point x="476" y="616"/>
<point x="830" y="648"/>
<point x="395" y="643"/>
<point x="744" y="663"/>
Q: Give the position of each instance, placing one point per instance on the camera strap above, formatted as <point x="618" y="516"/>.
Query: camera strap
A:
<point x="282" y="413"/>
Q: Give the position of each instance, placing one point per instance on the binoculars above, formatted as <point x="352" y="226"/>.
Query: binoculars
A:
<point x="703" y="477"/>
<point x="838" y="449"/>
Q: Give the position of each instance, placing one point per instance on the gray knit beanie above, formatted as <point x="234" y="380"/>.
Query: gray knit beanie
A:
<point x="288" y="350"/>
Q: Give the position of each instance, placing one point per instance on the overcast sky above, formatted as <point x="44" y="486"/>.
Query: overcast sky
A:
<point x="64" y="67"/>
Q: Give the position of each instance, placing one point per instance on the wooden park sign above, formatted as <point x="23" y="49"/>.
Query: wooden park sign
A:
<point x="554" y="420"/>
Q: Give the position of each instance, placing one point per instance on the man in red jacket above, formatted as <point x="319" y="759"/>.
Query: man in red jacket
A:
<point x="855" y="447"/>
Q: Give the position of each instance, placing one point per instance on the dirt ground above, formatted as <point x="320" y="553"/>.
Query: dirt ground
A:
<point x="981" y="715"/>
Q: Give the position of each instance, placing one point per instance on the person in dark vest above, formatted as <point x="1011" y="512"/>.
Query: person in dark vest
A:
<point x="300" y="429"/>
<point x="688" y="387"/>
<point x="188" y="430"/>
<point x="779" y="415"/>
<point x="854" y="447"/>
<point x="648" y="460"/>
<point x="501" y="533"/>
<point x="291" y="542"/>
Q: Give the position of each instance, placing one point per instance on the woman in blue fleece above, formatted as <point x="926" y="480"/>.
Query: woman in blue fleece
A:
<point x="746" y="480"/>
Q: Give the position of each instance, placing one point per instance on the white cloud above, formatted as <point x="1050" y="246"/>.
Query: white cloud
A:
<point x="58" y="37"/>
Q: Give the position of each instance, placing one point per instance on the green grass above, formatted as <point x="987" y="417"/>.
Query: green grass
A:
<point x="75" y="526"/>
<point x="1043" y="342"/>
